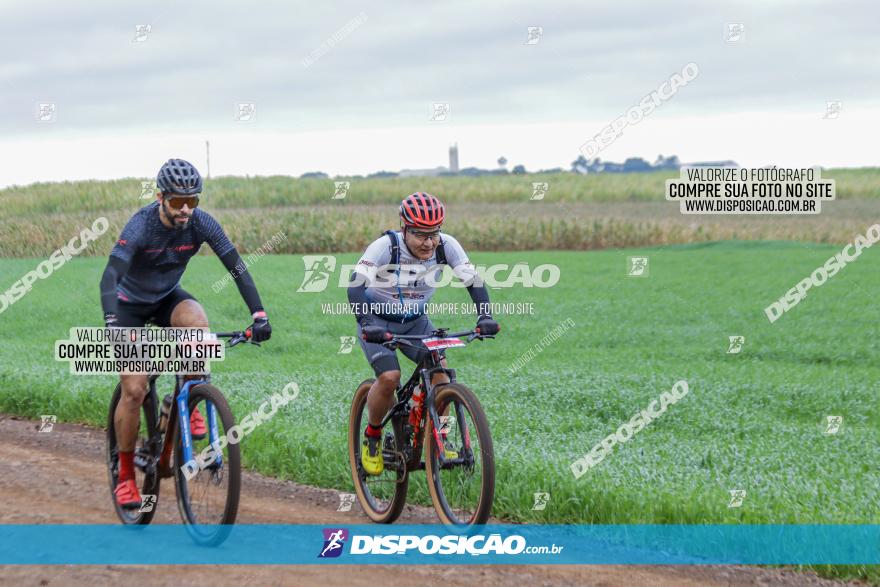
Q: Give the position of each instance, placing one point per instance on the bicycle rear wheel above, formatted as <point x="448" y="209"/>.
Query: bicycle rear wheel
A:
<point x="383" y="496"/>
<point x="146" y="453"/>
<point x="207" y="495"/>
<point x="463" y="488"/>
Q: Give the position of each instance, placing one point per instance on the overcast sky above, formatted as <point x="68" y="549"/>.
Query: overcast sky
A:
<point x="123" y="106"/>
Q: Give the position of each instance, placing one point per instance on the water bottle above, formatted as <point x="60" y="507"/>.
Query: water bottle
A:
<point x="415" y="413"/>
<point x="165" y="412"/>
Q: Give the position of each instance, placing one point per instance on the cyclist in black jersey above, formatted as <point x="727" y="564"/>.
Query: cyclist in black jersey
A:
<point x="142" y="283"/>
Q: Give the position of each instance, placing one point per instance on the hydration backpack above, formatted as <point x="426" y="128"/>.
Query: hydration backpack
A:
<point x="395" y="249"/>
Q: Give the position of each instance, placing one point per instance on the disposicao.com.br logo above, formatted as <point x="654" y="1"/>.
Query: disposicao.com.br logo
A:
<point x="319" y="269"/>
<point x="431" y="544"/>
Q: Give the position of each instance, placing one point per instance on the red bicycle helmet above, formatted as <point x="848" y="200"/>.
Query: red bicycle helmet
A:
<point x="421" y="210"/>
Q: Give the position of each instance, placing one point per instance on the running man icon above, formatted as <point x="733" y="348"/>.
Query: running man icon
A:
<point x="333" y="542"/>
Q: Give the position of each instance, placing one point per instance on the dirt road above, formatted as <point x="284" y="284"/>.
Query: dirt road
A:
<point x="40" y="471"/>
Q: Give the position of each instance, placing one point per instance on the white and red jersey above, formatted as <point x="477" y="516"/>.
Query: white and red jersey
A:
<point x="412" y="284"/>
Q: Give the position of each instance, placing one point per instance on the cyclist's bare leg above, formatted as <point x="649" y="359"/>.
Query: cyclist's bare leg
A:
<point x="189" y="314"/>
<point x="380" y="398"/>
<point x="440" y="378"/>
<point x="127" y="417"/>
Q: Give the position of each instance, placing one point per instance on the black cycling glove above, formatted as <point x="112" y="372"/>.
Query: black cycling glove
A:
<point x="260" y="329"/>
<point x="375" y="334"/>
<point x="487" y="326"/>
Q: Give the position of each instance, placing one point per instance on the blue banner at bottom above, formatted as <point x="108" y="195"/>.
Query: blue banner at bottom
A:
<point x="432" y="544"/>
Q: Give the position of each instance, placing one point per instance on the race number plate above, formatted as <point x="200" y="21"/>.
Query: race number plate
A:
<point x="435" y="344"/>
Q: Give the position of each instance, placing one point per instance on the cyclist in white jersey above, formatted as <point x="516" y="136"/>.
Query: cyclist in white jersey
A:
<point x="389" y="290"/>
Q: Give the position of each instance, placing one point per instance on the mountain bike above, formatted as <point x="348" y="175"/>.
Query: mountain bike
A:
<point x="163" y="453"/>
<point x="453" y="431"/>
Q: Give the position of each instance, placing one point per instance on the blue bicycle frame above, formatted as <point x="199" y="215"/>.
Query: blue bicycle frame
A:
<point x="183" y="422"/>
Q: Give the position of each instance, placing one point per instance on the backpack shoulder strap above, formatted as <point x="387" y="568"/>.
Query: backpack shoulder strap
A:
<point x="441" y="253"/>
<point x="395" y="247"/>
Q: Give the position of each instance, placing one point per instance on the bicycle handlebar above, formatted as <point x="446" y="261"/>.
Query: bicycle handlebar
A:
<point x="397" y="339"/>
<point x="237" y="337"/>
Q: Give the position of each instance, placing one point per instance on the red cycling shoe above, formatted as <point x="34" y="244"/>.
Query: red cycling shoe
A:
<point x="127" y="495"/>
<point x="197" y="424"/>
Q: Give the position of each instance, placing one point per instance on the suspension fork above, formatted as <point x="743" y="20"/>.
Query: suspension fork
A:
<point x="431" y="410"/>
<point x="180" y="414"/>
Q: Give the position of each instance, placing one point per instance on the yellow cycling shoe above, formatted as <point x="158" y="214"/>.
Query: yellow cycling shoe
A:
<point x="371" y="456"/>
<point x="448" y="449"/>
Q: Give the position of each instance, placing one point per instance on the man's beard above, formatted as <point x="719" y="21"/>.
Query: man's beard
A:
<point x="178" y="226"/>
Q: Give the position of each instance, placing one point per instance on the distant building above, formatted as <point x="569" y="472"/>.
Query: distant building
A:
<point x="667" y="162"/>
<point x="453" y="158"/>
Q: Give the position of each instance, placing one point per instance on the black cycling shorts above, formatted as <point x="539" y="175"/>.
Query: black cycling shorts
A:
<point x="382" y="358"/>
<point x="130" y="315"/>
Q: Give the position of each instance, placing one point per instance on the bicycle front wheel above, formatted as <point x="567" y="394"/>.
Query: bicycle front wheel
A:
<point x="463" y="485"/>
<point x="208" y="489"/>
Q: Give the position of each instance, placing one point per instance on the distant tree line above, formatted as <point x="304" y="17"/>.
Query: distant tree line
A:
<point x="580" y="165"/>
